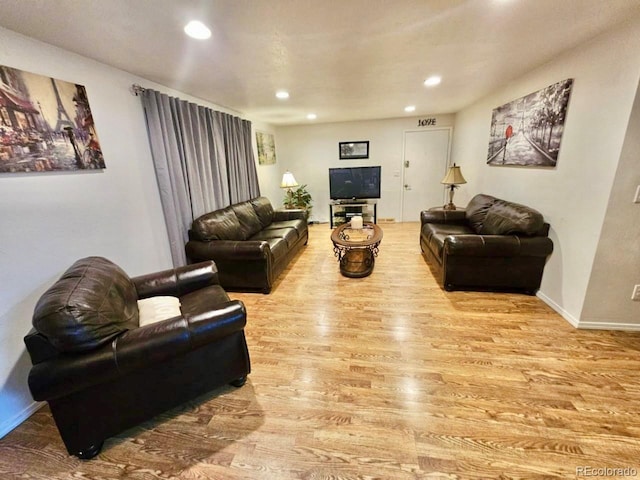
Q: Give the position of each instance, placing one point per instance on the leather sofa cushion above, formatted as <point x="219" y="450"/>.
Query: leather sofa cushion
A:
<point x="477" y="209"/>
<point x="93" y="302"/>
<point x="505" y="218"/>
<point x="218" y="225"/>
<point x="290" y="235"/>
<point x="263" y="209"/>
<point x="248" y="218"/>
<point x="299" y="224"/>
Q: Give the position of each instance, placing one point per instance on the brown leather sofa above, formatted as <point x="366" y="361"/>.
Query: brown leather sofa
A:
<point x="491" y="245"/>
<point x="250" y="242"/>
<point x="101" y="373"/>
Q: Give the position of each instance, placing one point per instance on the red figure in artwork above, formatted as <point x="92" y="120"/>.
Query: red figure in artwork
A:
<point x="507" y="135"/>
<point x="509" y="132"/>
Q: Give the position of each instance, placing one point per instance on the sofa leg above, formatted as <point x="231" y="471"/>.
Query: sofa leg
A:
<point x="238" y="382"/>
<point x="89" y="452"/>
<point x="449" y="288"/>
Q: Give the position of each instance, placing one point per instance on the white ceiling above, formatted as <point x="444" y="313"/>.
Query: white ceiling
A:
<point x="341" y="59"/>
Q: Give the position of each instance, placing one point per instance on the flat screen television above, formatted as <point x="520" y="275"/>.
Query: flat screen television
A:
<point x="354" y="183"/>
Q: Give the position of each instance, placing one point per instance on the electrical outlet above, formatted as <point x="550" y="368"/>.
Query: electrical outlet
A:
<point x="636" y="199"/>
<point x="636" y="293"/>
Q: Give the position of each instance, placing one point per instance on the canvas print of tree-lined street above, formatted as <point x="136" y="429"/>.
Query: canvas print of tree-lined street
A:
<point x="528" y="131"/>
<point x="45" y="125"/>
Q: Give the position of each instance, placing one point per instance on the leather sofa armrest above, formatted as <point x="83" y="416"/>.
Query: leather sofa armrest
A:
<point x="290" y="214"/>
<point x="134" y="349"/>
<point x="211" y="325"/>
<point x="497" y="246"/>
<point x="457" y="217"/>
<point x="218" y="250"/>
<point x="160" y="341"/>
<point x="177" y="281"/>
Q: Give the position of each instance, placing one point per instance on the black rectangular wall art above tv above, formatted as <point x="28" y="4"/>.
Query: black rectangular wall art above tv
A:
<point x="354" y="183"/>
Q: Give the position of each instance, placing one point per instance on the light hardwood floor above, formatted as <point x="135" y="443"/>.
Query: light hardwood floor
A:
<point x="386" y="377"/>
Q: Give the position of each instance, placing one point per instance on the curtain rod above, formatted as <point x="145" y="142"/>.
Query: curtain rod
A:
<point x="137" y="89"/>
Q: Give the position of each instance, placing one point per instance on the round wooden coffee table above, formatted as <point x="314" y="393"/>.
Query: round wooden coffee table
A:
<point x="356" y="249"/>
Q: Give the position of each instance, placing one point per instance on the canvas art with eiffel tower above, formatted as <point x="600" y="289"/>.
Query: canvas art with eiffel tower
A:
<point x="45" y="125"/>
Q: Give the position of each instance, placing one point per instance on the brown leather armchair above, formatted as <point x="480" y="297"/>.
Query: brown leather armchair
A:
<point x="101" y="373"/>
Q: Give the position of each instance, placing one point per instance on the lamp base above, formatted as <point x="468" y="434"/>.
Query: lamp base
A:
<point x="450" y="205"/>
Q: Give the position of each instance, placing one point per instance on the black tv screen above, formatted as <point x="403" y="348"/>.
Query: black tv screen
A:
<point x="354" y="183"/>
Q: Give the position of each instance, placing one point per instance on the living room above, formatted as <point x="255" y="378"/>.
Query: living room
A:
<point x="50" y="220"/>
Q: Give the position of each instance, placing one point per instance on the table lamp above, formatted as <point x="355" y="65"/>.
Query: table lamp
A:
<point x="453" y="178"/>
<point x="288" y="182"/>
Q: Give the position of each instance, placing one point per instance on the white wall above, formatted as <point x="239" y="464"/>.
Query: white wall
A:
<point x="310" y="150"/>
<point x="616" y="268"/>
<point x="49" y="220"/>
<point x="572" y="196"/>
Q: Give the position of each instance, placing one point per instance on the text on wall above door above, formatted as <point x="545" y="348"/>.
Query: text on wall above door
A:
<point x="426" y="122"/>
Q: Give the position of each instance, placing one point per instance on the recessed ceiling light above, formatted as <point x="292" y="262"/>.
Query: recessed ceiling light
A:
<point x="282" y="95"/>
<point x="312" y="116"/>
<point x="432" y="81"/>
<point x="197" y="30"/>
<point x="410" y="108"/>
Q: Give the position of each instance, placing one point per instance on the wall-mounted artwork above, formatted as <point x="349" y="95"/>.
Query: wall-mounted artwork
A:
<point x="266" y="148"/>
<point x="353" y="150"/>
<point x="528" y="131"/>
<point x="45" y="125"/>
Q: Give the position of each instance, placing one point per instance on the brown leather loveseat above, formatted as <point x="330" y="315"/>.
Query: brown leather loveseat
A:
<point x="102" y="373"/>
<point x="250" y="242"/>
<point x="492" y="244"/>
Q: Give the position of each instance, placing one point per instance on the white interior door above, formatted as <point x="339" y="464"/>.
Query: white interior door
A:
<point x="426" y="157"/>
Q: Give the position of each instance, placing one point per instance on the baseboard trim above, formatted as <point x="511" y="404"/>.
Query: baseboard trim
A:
<point x="13" y="422"/>
<point x="563" y="313"/>
<point x="627" y="327"/>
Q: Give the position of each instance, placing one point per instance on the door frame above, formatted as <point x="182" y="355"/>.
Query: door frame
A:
<point x="403" y="169"/>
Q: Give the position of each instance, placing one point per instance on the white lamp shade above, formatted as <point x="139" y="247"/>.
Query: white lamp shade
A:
<point x="454" y="176"/>
<point x="288" y="180"/>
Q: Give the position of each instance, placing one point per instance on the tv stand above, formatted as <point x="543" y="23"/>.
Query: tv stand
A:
<point x="341" y="211"/>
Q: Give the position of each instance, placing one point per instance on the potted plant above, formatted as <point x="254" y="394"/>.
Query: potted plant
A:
<point x="298" y="198"/>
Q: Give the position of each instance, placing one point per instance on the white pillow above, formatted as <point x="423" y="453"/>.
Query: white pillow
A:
<point x="157" y="309"/>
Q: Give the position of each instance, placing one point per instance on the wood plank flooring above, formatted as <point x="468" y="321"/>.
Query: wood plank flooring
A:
<point x="385" y="377"/>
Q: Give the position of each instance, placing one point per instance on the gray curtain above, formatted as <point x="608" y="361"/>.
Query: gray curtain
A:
<point x="243" y="178"/>
<point x="193" y="149"/>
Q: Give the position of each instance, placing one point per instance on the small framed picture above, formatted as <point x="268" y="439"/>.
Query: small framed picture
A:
<point x="352" y="150"/>
<point x="266" y="148"/>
